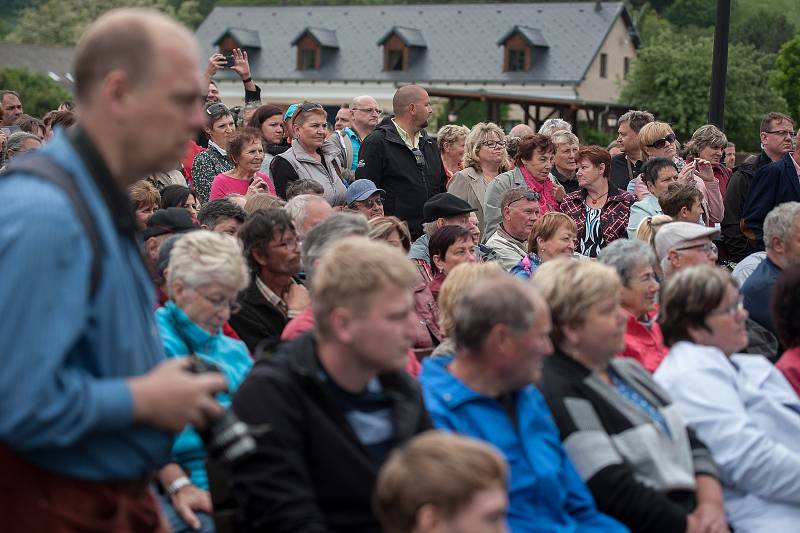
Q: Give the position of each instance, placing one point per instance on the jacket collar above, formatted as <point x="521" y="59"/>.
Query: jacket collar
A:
<point x="193" y="336"/>
<point x="302" y="155"/>
<point x="501" y="232"/>
<point x="449" y="390"/>
<point x="391" y="134"/>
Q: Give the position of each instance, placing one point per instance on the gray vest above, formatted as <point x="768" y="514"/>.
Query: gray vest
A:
<point x="326" y="172"/>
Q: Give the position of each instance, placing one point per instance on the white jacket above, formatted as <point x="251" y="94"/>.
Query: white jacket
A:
<point x="749" y="417"/>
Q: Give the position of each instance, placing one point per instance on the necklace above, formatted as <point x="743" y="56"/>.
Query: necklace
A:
<point x="594" y="200"/>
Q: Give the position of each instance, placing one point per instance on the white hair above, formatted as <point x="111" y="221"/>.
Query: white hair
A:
<point x="202" y="257"/>
<point x="778" y="222"/>
<point x="552" y="125"/>
<point x="296" y="207"/>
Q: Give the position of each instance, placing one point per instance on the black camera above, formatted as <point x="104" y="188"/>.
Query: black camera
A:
<point x="226" y="438"/>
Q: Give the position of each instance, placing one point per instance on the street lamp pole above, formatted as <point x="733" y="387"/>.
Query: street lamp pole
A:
<point x="719" y="67"/>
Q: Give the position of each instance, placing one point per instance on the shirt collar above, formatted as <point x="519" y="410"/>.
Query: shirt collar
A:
<point x="218" y="148"/>
<point x="411" y="142"/>
<point x="117" y="202"/>
<point x="273" y="299"/>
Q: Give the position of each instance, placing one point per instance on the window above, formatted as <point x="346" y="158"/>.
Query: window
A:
<point x="307" y="59"/>
<point x="394" y="59"/>
<point x="603" y="65"/>
<point x="626" y="66"/>
<point x="516" y="59"/>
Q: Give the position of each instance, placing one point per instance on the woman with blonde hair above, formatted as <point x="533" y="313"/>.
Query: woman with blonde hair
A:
<point x="392" y="230"/>
<point x="484" y="158"/>
<point x="145" y="200"/>
<point x="451" y="139"/>
<point x="551" y="236"/>
<point x="262" y="200"/>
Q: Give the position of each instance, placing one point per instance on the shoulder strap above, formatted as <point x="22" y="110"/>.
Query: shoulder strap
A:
<point x="44" y="167"/>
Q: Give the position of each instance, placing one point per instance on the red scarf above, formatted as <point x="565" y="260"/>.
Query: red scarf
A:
<point x="546" y="190"/>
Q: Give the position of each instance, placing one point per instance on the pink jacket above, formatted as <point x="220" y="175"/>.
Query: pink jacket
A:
<point x="712" y="197"/>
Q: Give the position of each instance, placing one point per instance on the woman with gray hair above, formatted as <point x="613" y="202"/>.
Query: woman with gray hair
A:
<point x="634" y="260"/>
<point x="627" y="441"/>
<point x="451" y="139"/>
<point x="738" y="404"/>
<point x="19" y="143"/>
<point x="205" y="273"/>
<point x="484" y="158"/>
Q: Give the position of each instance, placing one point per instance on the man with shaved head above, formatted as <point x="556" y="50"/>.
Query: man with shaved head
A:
<point x="89" y="405"/>
<point x="402" y="159"/>
<point x="364" y="114"/>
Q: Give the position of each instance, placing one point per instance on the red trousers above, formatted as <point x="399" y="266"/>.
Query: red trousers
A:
<point x="34" y="500"/>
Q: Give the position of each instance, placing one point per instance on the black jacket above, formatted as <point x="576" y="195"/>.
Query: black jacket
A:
<point x="622" y="173"/>
<point x="386" y="160"/>
<point x="257" y="320"/>
<point x="735" y="196"/>
<point x="310" y="473"/>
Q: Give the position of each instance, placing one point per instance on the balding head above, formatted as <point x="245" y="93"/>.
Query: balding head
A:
<point x="405" y="96"/>
<point x="127" y="40"/>
<point x="365" y="114"/>
<point x="521" y="130"/>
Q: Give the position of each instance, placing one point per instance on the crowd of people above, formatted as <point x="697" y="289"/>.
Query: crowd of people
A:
<point x="266" y="319"/>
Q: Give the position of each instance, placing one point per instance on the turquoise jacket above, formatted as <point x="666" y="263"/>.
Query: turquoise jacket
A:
<point x="545" y="492"/>
<point x="229" y="355"/>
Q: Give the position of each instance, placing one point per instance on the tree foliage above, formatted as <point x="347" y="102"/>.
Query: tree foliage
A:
<point x="684" y="13"/>
<point x="786" y="77"/>
<point x="62" y="22"/>
<point x="38" y="92"/>
<point x="672" y="78"/>
<point x="766" y="31"/>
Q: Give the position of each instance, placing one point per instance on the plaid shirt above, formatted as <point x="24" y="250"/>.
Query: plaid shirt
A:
<point x="613" y="216"/>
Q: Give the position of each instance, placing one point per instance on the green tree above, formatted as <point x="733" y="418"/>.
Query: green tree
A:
<point x="672" y="79"/>
<point x="38" y="92"/>
<point x="786" y="77"/>
<point x="62" y="22"/>
<point x="684" y="13"/>
<point x="766" y="31"/>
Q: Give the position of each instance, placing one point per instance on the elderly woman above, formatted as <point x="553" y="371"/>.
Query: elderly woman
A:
<point x="658" y="140"/>
<point x="19" y="143"/>
<point x="533" y="163"/>
<point x="565" y="164"/>
<point x="449" y="246"/>
<point x="739" y="405"/>
<point x="599" y="209"/>
<point x="206" y="271"/>
<point x="213" y="160"/>
<point x="633" y="260"/>
<point x="246" y="153"/>
<point x="179" y="196"/>
<point x="553" y="235"/>
<point x="268" y="119"/>
<point x="484" y="158"/>
<point x="392" y="230"/>
<point x="145" y="200"/>
<point x="451" y="139"/>
<point x="306" y="159"/>
<point x="643" y="465"/>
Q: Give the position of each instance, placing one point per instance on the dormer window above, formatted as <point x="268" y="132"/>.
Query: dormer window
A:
<point x="519" y="46"/>
<point x="402" y="47"/>
<point x="314" y="47"/>
<point x="247" y="40"/>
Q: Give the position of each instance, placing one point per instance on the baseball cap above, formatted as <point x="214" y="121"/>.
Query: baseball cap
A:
<point x="445" y="205"/>
<point x="361" y="190"/>
<point x="169" y="220"/>
<point x="674" y="234"/>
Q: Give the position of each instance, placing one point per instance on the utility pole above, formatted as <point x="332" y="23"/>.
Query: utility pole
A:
<point x="719" y="67"/>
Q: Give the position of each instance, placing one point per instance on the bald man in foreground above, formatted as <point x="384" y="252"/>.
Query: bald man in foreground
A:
<point x="89" y="405"/>
<point x="402" y="159"/>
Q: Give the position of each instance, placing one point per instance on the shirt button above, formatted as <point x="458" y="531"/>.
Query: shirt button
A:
<point x="447" y="396"/>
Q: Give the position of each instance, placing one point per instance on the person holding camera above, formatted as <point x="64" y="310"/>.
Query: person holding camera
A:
<point x="205" y="273"/>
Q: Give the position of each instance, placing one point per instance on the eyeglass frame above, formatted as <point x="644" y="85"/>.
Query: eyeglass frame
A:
<point x="223" y="109"/>
<point x="368" y="110"/>
<point x="368" y="203"/>
<point x="666" y="140"/>
<point x="531" y="196"/>
<point x="233" y="306"/>
<point x="781" y="133"/>
<point x="708" y="247"/>
<point x="495" y="143"/>
<point x="730" y="310"/>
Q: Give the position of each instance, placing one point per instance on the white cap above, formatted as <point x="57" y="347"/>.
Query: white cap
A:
<point x="674" y="234"/>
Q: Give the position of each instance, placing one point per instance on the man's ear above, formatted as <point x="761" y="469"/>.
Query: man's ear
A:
<point x="260" y="256"/>
<point x="674" y="258"/>
<point x="115" y="90"/>
<point x="151" y="245"/>
<point x="341" y="324"/>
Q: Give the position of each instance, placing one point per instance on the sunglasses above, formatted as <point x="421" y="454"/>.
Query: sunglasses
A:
<point x="661" y="143"/>
<point x="420" y="158"/>
<point x="217" y="109"/>
<point x="531" y="196"/>
<point x="369" y="203"/>
<point x="305" y="107"/>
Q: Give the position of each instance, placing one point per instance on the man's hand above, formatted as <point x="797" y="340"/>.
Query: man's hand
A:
<point x="241" y="65"/>
<point x="169" y="396"/>
<point x="215" y="62"/>
<point x="297" y="297"/>
<point x="190" y="499"/>
<point x="708" y="518"/>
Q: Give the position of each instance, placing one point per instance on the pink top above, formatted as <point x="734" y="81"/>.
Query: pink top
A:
<point x="223" y="185"/>
<point x="712" y="197"/>
<point x="789" y="364"/>
<point x="545" y="189"/>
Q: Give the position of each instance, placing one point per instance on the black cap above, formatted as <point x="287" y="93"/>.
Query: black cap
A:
<point x="169" y="220"/>
<point x="445" y="205"/>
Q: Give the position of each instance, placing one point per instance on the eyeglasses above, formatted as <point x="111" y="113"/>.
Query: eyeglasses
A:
<point x="531" y="196"/>
<point x="369" y="110"/>
<point x="709" y="248"/>
<point x="290" y="243"/>
<point x="217" y="109"/>
<point x="369" y="203"/>
<point x="221" y="303"/>
<point x="420" y="159"/>
<point x="781" y="133"/>
<point x="494" y="144"/>
<point x="661" y="143"/>
<point x="732" y="309"/>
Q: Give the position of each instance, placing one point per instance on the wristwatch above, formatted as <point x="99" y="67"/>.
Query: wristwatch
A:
<point x="177" y="485"/>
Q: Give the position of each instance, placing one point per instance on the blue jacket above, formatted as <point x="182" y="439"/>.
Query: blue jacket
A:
<point x="229" y="355"/>
<point x="546" y="494"/>
<point x="756" y="290"/>
<point x="66" y="359"/>
<point x="773" y="184"/>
